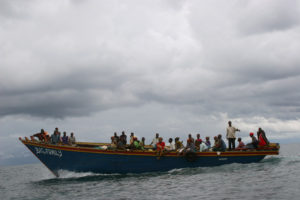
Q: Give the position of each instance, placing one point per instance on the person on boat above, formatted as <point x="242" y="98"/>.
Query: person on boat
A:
<point x="160" y="147"/>
<point x="197" y="142"/>
<point x="120" y="145"/>
<point x="262" y="139"/>
<point x="55" y="138"/>
<point x="155" y="141"/>
<point x="142" y="144"/>
<point x="216" y="144"/>
<point x="202" y="146"/>
<point x="190" y="146"/>
<point x="40" y="135"/>
<point x="116" y="137"/>
<point x="191" y="138"/>
<point x="131" y="139"/>
<point x="123" y="138"/>
<point x="219" y="144"/>
<point x="72" y="139"/>
<point x="231" y="135"/>
<point x="254" y="143"/>
<point x="178" y="145"/>
<point x="113" y="144"/>
<point x="241" y="145"/>
<point x="207" y="142"/>
<point x="65" y="138"/>
<point x="170" y="146"/>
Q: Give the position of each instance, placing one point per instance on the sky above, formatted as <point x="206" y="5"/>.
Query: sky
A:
<point x="174" y="67"/>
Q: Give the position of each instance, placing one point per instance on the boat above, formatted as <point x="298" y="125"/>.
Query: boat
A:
<point x="91" y="157"/>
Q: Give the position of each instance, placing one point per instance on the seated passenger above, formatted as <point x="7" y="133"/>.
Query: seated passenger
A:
<point x="112" y="145"/>
<point x="65" y="138"/>
<point x="131" y="139"/>
<point x="241" y="145"/>
<point x="123" y="138"/>
<point x="142" y="144"/>
<point x="216" y="144"/>
<point x="136" y="143"/>
<point x="191" y="138"/>
<point x="72" y="139"/>
<point x="55" y="138"/>
<point x="155" y="141"/>
<point x="40" y="135"/>
<point x="190" y="146"/>
<point x="170" y="146"/>
<point x="207" y="142"/>
<point x="254" y="143"/>
<point x="160" y="147"/>
<point x="120" y="145"/>
<point x="202" y="146"/>
<point x="220" y="144"/>
<point x="178" y="145"/>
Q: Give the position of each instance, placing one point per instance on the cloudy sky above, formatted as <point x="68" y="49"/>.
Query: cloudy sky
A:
<point x="173" y="67"/>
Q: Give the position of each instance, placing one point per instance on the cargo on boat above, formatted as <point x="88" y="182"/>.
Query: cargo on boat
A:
<point x="89" y="157"/>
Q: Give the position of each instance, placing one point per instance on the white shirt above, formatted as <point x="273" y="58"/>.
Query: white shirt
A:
<point x="202" y="147"/>
<point x="171" y="146"/>
<point x="231" y="132"/>
<point x="154" y="142"/>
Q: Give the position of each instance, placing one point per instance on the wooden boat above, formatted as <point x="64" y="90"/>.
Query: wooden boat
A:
<point x="87" y="157"/>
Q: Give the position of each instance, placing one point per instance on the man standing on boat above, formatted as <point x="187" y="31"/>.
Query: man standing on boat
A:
<point x="231" y="136"/>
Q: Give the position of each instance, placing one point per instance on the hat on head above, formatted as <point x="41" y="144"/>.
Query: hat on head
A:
<point x="251" y="134"/>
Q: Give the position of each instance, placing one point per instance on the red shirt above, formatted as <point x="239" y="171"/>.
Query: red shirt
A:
<point x="261" y="140"/>
<point x="160" y="145"/>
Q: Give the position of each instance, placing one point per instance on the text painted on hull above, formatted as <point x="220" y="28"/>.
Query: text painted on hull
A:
<point x="50" y="152"/>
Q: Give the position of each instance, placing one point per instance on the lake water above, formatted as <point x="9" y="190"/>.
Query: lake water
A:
<point x="276" y="177"/>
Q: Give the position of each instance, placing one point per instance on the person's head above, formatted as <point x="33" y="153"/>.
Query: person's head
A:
<point x="251" y="134"/>
<point x="207" y="138"/>
<point x="190" y="135"/>
<point x="229" y="123"/>
<point x="143" y="139"/>
<point x="198" y="136"/>
<point x="65" y="134"/>
<point x="56" y="129"/>
<point x="132" y="134"/>
<point x="42" y="131"/>
<point x="215" y="138"/>
<point x="170" y="140"/>
<point x="115" y="134"/>
<point x="72" y="134"/>
<point x="219" y="136"/>
<point x="160" y="139"/>
<point x="123" y="132"/>
<point x="176" y="139"/>
<point x="157" y="135"/>
<point x="239" y="139"/>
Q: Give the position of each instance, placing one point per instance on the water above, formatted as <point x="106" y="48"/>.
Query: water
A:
<point x="276" y="177"/>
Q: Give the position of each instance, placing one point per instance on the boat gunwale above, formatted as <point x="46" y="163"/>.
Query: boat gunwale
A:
<point x="148" y="153"/>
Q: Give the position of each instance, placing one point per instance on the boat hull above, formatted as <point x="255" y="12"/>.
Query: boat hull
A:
<point x="57" y="157"/>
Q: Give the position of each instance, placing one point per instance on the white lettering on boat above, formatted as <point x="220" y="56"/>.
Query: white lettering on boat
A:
<point x="222" y="158"/>
<point x="51" y="152"/>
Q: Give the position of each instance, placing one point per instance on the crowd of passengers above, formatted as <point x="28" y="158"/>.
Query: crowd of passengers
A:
<point x="157" y="144"/>
<point x="55" y="138"/>
<point x="192" y="144"/>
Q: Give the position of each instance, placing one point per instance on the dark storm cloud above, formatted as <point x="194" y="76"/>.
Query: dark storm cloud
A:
<point x="74" y="60"/>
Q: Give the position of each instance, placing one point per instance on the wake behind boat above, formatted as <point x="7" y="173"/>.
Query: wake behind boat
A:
<point x="94" y="157"/>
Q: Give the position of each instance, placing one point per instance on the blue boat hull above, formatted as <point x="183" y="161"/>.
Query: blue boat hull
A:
<point x="99" y="161"/>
